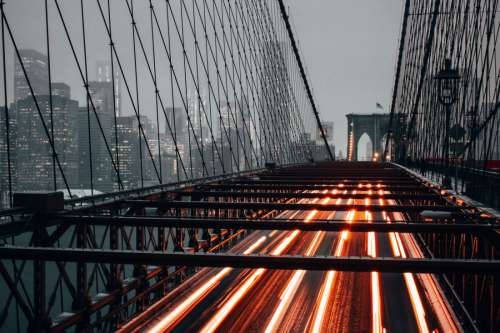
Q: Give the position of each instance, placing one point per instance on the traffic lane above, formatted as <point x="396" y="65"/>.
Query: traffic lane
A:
<point x="197" y="287"/>
<point x="349" y="307"/>
<point x="193" y="318"/>
<point x="434" y="312"/>
<point x="300" y="290"/>
<point x="255" y="311"/>
<point x="397" y="309"/>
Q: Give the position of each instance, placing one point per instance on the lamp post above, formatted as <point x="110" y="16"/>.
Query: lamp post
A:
<point x="447" y="80"/>
<point x="471" y="118"/>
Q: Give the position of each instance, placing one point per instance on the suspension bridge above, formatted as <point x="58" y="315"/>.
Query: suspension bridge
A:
<point x="164" y="168"/>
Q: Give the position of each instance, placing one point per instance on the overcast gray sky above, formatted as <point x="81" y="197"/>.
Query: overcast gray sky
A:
<point x="349" y="48"/>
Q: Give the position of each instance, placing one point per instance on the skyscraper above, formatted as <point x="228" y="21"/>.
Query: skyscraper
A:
<point x="104" y="74"/>
<point x="234" y="122"/>
<point x="179" y="131"/>
<point x="128" y="146"/>
<point x="35" y="65"/>
<point x="275" y="97"/>
<point x="32" y="155"/>
<point x="94" y="153"/>
<point x="328" y="129"/>
<point x="34" y="160"/>
<point x="61" y="89"/>
<point x="4" y="156"/>
<point x="197" y="134"/>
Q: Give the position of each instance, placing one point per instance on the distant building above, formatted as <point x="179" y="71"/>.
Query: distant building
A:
<point x="93" y="150"/>
<point x="175" y="137"/>
<point x="168" y="158"/>
<point x="197" y="133"/>
<point x="328" y="129"/>
<point x="105" y="74"/>
<point x="35" y="65"/>
<point x="275" y="90"/>
<point x="4" y="158"/>
<point x="311" y="149"/>
<point x="128" y="148"/>
<point x="341" y="155"/>
<point x="234" y="131"/>
<point x="61" y="89"/>
<point x="34" y="160"/>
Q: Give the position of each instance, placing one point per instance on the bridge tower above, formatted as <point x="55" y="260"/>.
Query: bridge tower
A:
<point x="375" y="125"/>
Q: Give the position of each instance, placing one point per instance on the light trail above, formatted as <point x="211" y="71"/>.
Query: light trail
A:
<point x="289" y="292"/>
<point x="280" y="303"/>
<point x="377" y="326"/>
<point x="226" y="309"/>
<point x="216" y="320"/>
<point x="172" y="317"/>
<point x="297" y="277"/>
<point x="327" y="287"/>
<point x="436" y="299"/>
<point x="180" y="310"/>
<point x="416" y="301"/>
<point x="446" y="319"/>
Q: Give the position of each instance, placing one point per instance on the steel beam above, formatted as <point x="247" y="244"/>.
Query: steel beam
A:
<point x="281" y="224"/>
<point x="351" y="264"/>
<point x="325" y="181"/>
<point x="260" y="194"/>
<point x="287" y="206"/>
<point x="310" y="187"/>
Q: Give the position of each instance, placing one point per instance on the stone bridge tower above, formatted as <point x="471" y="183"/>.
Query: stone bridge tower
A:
<point x="375" y="125"/>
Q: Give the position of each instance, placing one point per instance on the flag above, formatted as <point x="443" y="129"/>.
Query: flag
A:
<point x="379" y="106"/>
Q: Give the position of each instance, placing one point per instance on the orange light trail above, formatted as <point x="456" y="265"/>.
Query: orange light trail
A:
<point x="416" y="301"/>
<point x="172" y="317"/>
<point x="326" y="289"/>
<point x="212" y="325"/>
<point x="376" y="304"/>
<point x="226" y="309"/>
<point x="188" y="303"/>
<point x="446" y="319"/>
<point x="293" y="285"/>
<point x="375" y="283"/>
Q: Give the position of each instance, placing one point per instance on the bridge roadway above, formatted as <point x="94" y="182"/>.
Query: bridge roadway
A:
<point x="263" y="300"/>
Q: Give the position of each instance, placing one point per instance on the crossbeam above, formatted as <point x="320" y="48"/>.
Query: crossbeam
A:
<point x="325" y="181"/>
<point x="351" y="264"/>
<point x="280" y="224"/>
<point x="260" y="194"/>
<point x="311" y="187"/>
<point x="287" y="206"/>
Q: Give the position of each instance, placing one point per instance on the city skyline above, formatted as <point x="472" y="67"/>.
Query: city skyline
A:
<point x="115" y="138"/>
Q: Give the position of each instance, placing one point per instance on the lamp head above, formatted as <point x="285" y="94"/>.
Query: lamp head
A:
<point x="448" y="79"/>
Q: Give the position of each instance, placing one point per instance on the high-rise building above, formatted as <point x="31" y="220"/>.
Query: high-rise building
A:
<point x="235" y="123"/>
<point x="328" y="129"/>
<point x="104" y="74"/>
<point x="6" y="182"/>
<point x="93" y="127"/>
<point x="35" y="65"/>
<point x="128" y="146"/>
<point x="133" y="152"/>
<point x="276" y="97"/>
<point x="61" y="89"/>
<point x="34" y="154"/>
<point x="176" y="133"/>
<point x="169" y="158"/>
<point x="197" y="134"/>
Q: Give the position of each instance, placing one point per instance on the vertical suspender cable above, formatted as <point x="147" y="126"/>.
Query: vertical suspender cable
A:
<point x="303" y="75"/>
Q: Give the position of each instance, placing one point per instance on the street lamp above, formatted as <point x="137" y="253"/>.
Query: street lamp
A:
<point x="471" y="118"/>
<point x="447" y="79"/>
